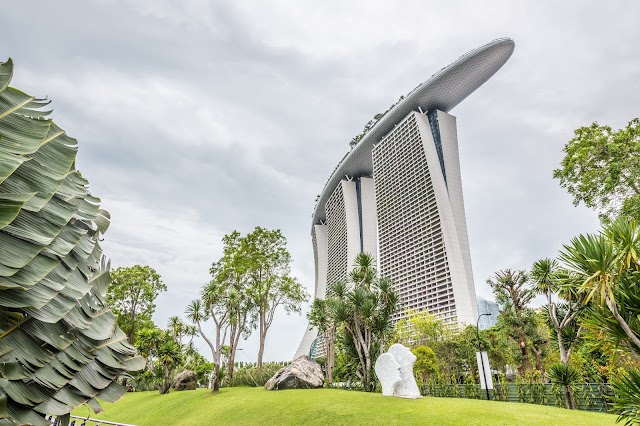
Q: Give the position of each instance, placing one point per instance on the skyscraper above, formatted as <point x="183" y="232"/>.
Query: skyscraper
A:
<point x="398" y="196"/>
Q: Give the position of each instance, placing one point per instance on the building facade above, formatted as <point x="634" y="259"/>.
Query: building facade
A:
<point x="398" y="196"/>
<point x="487" y="307"/>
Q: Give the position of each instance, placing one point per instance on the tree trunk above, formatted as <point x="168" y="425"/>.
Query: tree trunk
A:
<point x="564" y="355"/>
<point x="231" y="361"/>
<point x="630" y="334"/>
<point x="330" y="357"/>
<point x="568" y="397"/>
<point x="216" y="377"/>
<point x="263" y="336"/>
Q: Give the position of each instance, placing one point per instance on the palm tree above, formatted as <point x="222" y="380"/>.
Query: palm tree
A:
<point x="604" y="262"/>
<point x="548" y="279"/>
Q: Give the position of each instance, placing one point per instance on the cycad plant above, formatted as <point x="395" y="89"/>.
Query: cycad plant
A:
<point x="60" y="346"/>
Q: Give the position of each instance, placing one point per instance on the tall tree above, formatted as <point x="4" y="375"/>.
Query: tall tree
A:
<point x="514" y="294"/>
<point x="268" y="264"/>
<point x="132" y="295"/>
<point x="322" y="317"/>
<point x="232" y="270"/>
<point x="214" y="306"/>
<point x="363" y="309"/>
<point x="564" y="303"/>
<point x="601" y="168"/>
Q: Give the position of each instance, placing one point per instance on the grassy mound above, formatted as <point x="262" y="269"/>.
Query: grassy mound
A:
<point x="256" y="406"/>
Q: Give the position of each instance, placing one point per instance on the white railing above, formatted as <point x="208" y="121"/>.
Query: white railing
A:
<point x="86" y="421"/>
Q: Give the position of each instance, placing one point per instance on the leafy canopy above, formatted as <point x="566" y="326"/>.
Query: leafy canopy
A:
<point x="132" y="294"/>
<point x="601" y="168"/>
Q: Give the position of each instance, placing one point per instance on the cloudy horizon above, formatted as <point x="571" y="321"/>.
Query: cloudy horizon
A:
<point x="197" y="118"/>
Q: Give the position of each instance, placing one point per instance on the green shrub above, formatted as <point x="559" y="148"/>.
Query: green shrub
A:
<point x="253" y="376"/>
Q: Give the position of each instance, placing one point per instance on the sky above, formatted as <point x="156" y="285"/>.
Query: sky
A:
<point x="196" y="118"/>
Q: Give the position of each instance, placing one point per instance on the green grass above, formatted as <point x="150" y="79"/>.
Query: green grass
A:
<point x="256" y="406"/>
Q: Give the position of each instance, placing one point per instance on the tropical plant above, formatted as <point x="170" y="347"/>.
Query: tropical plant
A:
<point x="60" y="346"/>
<point x="550" y="280"/>
<point x="564" y="375"/>
<point x="513" y="294"/>
<point x="363" y="310"/>
<point x="626" y="399"/>
<point x="212" y="306"/>
<point x="607" y="264"/>
<point x="321" y="316"/>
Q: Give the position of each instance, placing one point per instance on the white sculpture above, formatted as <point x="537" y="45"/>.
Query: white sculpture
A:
<point x="394" y="369"/>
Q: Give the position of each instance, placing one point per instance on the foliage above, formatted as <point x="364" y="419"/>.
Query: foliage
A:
<point x="213" y="305"/>
<point x="267" y="263"/>
<point x="132" y="295"/>
<point x="252" y="375"/>
<point x="363" y="310"/>
<point x="601" y="168"/>
<point x="322" y="317"/>
<point x="419" y="328"/>
<point x="239" y="405"/>
<point x="60" y="346"/>
<point x="609" y="272"/>
<point x="426" y="362"/>
<point x="563" y="317"/>
<point x="565" y="375"/>
<point x="523" y="325"/>
<point x="372" y="123"/>
<point x="626" y="401"/>
<point x="231" y="271"/>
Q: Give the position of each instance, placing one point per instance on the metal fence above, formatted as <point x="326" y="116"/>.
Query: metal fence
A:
<point x="586" y="396"/>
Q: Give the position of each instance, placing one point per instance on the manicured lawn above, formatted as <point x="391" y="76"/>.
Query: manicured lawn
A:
<point x="256" y="406"/>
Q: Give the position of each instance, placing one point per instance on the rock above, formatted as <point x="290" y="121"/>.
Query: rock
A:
<point x="302" y="373"/>
<point x="394" y="369"/>
<point x="187" y="380"/>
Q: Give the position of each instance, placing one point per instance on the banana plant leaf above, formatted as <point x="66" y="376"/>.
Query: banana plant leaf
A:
<point x="60" y="346"/>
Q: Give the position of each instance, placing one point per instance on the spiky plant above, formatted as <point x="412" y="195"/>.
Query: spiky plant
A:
<point x="626" y="399"/>
<point x="565" y="375"/>
<point x="59" y="343"/>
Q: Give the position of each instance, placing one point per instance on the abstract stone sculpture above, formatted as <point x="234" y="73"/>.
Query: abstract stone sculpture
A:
<point x="302" y="373"/>
<point x="187" y="380"/>
<point x="394" y="369"/>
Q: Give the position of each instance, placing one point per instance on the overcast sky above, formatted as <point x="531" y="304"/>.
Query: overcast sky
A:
<point x="196" y="118"/>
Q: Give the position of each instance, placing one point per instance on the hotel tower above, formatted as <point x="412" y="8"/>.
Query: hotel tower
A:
<point x="398" y="196"/>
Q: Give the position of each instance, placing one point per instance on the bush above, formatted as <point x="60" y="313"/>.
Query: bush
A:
<point x="253" y="376"/>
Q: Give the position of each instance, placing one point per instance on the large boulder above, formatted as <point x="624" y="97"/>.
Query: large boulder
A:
<point x="302" y="373"/>
<point x="187" y="380"/>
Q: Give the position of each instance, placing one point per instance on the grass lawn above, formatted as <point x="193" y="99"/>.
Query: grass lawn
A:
<point x="256" y="406"/>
